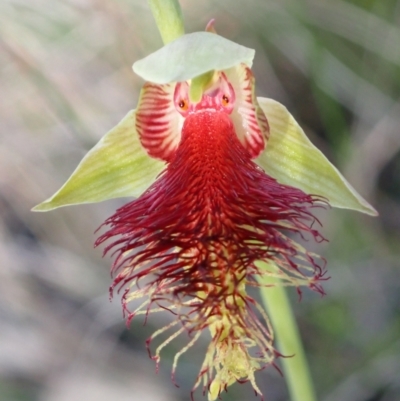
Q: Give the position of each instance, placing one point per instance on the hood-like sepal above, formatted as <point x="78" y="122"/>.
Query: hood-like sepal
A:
<point x="192" y="55"/>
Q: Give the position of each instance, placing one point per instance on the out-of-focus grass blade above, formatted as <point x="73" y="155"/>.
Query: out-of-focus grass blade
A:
<point x="357" y="25"/>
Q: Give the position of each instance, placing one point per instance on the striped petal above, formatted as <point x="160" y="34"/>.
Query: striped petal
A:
<point x="249" y="120"/>
<point x="157" y="121"/>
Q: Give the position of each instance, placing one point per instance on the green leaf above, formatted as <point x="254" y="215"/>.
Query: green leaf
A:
<point x="190" y="56"/>
<point x="292" y="159"/>
<point x="117" y="166"/>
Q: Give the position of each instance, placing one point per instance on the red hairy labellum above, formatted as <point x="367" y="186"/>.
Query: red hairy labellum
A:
<point x="192" y="242"/>
<point x="212" y="209"/>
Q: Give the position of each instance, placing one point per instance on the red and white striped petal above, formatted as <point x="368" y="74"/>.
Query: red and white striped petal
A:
<point x="157" y="121"/>
<point x="250" y="122"/>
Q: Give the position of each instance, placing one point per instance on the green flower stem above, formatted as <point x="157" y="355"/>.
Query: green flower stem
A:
<point x="168" y="16"/>
<point x="295" y="367"/>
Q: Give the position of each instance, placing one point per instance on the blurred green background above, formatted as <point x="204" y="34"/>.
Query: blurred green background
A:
<point x="66" y="79"/>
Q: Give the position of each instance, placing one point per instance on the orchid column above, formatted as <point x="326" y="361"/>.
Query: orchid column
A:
<point x="222" y="180"/>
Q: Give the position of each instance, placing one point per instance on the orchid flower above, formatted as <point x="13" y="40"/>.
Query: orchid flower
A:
<point x="222" y="181"/>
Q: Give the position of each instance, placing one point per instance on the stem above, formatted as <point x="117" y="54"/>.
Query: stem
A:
<point x="168" y="16"/>
<point x="295" y="367"/>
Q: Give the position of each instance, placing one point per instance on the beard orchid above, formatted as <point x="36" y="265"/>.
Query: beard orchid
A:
<point x="223" y="183"/>
<point x="190" y="243"/>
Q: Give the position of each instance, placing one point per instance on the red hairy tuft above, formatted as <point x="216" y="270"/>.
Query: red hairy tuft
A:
<point x="207" y="219"/>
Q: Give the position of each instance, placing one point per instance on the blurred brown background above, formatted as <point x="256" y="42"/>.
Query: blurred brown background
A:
<point x="66" y="79"/>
